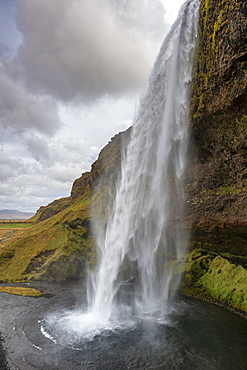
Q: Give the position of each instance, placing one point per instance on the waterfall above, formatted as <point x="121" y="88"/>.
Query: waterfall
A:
<point x="144" y="234"/>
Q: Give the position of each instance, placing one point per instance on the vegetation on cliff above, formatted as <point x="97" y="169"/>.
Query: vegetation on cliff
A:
<point x="210" y="276"/>
<point x="221" y="65"/>
<point x="217" y="182"/>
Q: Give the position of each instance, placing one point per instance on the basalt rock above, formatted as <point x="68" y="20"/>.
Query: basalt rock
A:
<point x="217" y="186"/>
<point x="217" y="177"/>
<point x="221" y="63"/>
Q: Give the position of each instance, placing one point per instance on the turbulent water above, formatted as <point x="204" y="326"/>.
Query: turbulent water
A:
<point x="144" y="236"/>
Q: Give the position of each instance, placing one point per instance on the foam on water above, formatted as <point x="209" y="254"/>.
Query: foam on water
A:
<point x="75" y="327"/>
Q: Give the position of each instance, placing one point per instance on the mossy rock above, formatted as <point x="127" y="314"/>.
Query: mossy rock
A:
<point x="221" y="64"/>
<point x="23" y="291"/>
<point x="211" y="277"/>
<point x="226" y="282"/>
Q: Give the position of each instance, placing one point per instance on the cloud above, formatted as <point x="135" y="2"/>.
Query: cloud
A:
<point x="11" y="167"/>
<point x="39" y="149"/>
<point x="27" y="184"/>
<point x="10" y="37"/>
<point x="83" y="50"/>
<point x="63" y="151"/>
<point x="21" y="110"/>
<point x="35" y="171"/>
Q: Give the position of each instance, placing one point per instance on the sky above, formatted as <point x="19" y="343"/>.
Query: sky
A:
<point x="71" y="76"/>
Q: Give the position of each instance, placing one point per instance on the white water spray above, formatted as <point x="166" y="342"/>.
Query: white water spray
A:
<point x="144" y="231"/>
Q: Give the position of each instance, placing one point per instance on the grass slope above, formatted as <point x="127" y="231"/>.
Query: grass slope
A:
<point x="55" y="249"/>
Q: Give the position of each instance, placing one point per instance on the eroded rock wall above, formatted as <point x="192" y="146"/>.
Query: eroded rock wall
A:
<point x="217" y="186"/>
<point x="217" y="176"/>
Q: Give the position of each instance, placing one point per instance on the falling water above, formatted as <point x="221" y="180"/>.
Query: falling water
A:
<point x="144" y="234"/>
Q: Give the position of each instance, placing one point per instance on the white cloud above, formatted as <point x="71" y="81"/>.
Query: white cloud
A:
<point x="86" y="49"/>
<point x="21" y="111"/>
<point x="10" y="37"/>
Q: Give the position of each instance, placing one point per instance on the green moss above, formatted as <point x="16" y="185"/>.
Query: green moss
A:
<point x="197" y="265"/>
<point x="231" y="256"/>
<point x="205" y="6"/>
<point x="216" y="82"/>
<point x="226" y="282"/>
<point x="218" y="25"/>
<point x="225" y="190"/>
<point x="25" y="292"/>
<point x="211" y="277"/>
<point x="14" y="225"/>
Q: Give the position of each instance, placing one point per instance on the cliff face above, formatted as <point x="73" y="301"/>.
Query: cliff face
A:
<point x="217" y="186"/>
<point x="221" y="66"/>
<point x="219" y="114"/>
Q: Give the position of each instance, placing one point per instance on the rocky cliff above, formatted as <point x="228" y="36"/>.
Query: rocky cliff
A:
<point x="219" y="113"/>
<point x="217" y="185"/>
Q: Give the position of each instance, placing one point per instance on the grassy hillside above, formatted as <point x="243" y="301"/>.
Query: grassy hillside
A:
<point x="57" y="248"/>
